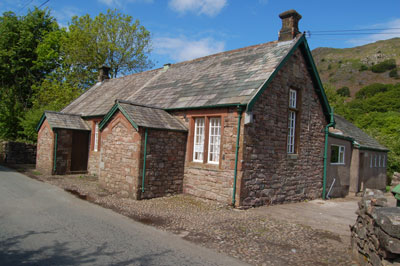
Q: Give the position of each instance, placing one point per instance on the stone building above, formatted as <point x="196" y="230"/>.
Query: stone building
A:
<point x="244" y="127"/>
<point x="356" y="160"/>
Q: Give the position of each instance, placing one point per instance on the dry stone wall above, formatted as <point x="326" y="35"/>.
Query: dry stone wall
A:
<point x="17" y="152"/>
<point x="375" y="237"/>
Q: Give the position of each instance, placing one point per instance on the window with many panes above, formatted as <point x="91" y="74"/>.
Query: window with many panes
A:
<point x="96" y="137"/>
<point x="291" y="138"/>
<point x="214" y="140"/>
<point x="207" y="140"/>
<point x="198" y="148"/>
<point x="337" y="154"/>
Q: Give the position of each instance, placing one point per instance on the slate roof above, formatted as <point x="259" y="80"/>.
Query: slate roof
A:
<point x="231" y="77"/>
<point x="63" y="120"/>
<point x="145" y="116"/>
<point x="350" y="130"/>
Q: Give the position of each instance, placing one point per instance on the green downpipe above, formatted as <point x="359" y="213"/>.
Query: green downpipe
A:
<point x="332" y="123"/>
<point x="240" y="110"/>
<point x="144" y="159"/>
<point x="55" y="152"/>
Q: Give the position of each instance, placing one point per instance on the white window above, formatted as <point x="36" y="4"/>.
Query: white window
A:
<point x="337" y="154"/>
<point x="376" y="161"/>
<point x="96" y="137"/>
<point x="198" y="148"/>
<point x="384" y="161"/>
<point x="214" y="140"/>
<point x="292" y="121"/>
<point x="380" y="160"/>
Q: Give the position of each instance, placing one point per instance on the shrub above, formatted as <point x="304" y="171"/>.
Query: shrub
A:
<point x="344" y="91"/>
<point x="363" y="68"/>
<point x="371" y="90"/>
<point x="393" y="73"/>
<point x="384" y="66"/>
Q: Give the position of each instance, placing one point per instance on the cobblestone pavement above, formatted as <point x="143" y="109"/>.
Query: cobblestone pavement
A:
<point x="252" y="236"/>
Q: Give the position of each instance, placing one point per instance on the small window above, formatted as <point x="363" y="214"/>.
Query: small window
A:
<point x="337" y="154"/>
<point x="214" y="140"/>
<point x="376" y="163"/>
<point x="198" y="150"/>
<point x="384" y="161"/>
<point x="291" y="137"/>
<point x="370" y="162"/>
<point x="380" y="158"/>
<point x="96" y="137"/>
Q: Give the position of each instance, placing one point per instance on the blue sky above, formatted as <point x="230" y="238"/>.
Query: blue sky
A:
<point x="186" y="29"/>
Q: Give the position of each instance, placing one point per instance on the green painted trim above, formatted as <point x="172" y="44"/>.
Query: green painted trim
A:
<point x="39" y="125"/>
<point x="144" y="159"/>
<point x="93" y="116"/>
<point x="108" y="116"/>
<point x="128" y="117"/>
<point x="206" y="106"/>
<point x="340" y="136"/>
<point x="302" y="43"/>
<point x="361" y="147"/>
<point x="269" y="80"/>
<point x="240" y="111"/>
<point x="167" y="129"/>
<point x="72" y="128"/>
<point x="55" y="152"/>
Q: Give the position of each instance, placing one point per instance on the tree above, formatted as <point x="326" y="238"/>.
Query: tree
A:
<point x="111" y="39"/>
<point x="19" y="70"/>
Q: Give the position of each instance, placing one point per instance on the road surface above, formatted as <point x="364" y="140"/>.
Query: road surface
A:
<point x="41" y="224"/>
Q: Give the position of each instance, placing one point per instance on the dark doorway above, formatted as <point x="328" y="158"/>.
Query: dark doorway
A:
<point x="80" y="151"/>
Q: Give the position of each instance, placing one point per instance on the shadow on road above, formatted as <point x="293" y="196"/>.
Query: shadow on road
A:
<point x="12" y="253"/>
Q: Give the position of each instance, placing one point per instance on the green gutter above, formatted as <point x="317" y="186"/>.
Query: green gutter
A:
<point x="55" y="152"/>
<point x="361" y="147"/>
<point x="144" y="158"/>
<point x="240" y="110"/>
<point x="331" y="124"/>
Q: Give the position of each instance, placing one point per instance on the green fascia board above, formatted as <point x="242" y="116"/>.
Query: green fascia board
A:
<point x="302" y="43"/>
<point x="39" y="125"/>
<point x="340" y="136"/>
<point x="71" y="129"/>
<point x="361" y="147"/>
<point x="93" y="116"/>
<point x="114" y="109"/>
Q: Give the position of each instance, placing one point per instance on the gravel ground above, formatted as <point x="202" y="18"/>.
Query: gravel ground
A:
<point x="248" y="235"/>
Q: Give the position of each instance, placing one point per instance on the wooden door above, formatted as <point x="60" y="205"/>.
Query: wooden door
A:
<point x="80" y="151"/>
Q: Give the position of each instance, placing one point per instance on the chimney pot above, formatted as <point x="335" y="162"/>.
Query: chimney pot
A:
<point x="290" y="25"/>
<point x="103" y="73"/>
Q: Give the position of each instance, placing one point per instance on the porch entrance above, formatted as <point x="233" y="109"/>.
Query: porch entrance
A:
<point x="80" y="151"/>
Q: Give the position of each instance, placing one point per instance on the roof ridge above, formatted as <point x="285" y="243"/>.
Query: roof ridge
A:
<point x="61" y="113"/>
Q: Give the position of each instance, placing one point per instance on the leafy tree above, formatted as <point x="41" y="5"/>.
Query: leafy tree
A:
<point x="19" y="69"/>
<point x="344" y="91"/>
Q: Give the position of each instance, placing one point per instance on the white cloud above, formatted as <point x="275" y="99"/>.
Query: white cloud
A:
<point x="392" y="31"/>
<point x="182" y="49"/>
<point x="207" y="7"/>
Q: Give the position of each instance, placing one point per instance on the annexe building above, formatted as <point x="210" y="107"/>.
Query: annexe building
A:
<point x="244" y="127"/>
<point x="355" y="160"/>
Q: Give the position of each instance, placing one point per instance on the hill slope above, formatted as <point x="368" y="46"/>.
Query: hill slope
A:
<point x="357" y="67"/>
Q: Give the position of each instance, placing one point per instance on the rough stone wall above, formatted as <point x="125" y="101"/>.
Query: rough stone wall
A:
<point x="375" y="237"/>
<point x="120" y="157"/>
<point x="165" y="162"/>
<point x="17" y="152"/>
<point x="270" y="174"/>
<point x="213" y="181"/>
<point x="45" y="149"/>
<point x="340" y="173"/>
<point x="64" y="151"/>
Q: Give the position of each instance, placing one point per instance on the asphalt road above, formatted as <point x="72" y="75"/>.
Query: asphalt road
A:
<point x="42" y="225"/>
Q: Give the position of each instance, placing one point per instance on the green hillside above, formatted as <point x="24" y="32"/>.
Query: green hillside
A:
<point x="357" y="67"/>
<point x="363" y="85"/>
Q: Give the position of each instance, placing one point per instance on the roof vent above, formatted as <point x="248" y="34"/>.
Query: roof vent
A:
<point x="103" y="73"/>
<point x="290" y="25"/>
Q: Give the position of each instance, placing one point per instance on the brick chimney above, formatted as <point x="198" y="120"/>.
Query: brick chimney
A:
<point x="290" y="25"/>
<point x="103" y="73"/>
